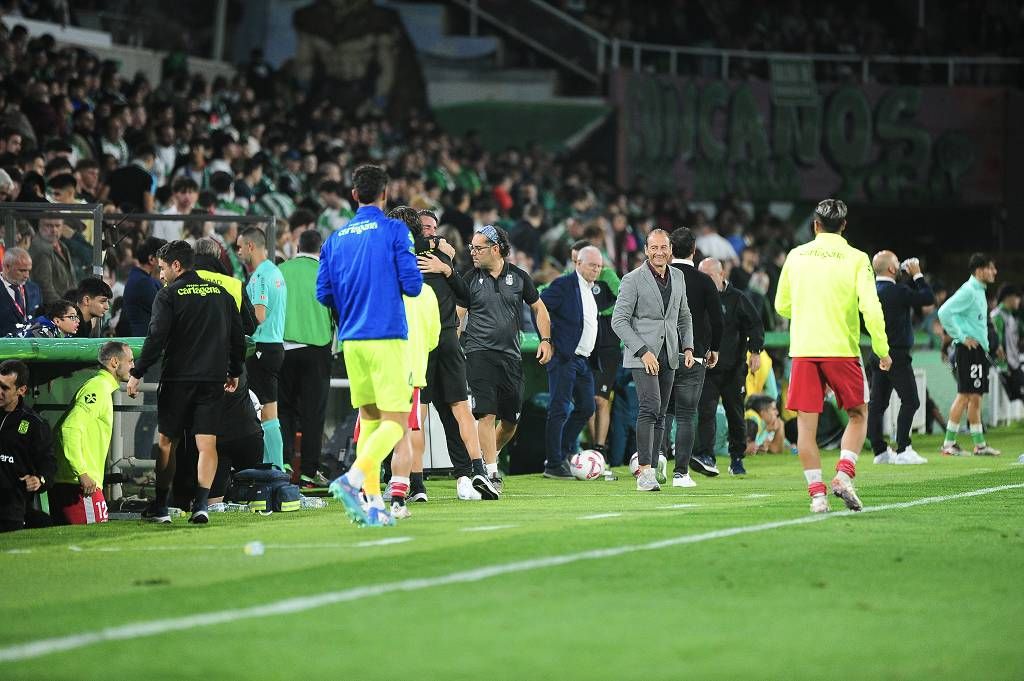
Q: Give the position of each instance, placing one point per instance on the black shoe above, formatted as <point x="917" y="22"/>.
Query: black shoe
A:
<point x="704" y="466"/>
<point x="156" y="514"/>
<point x="418" y="495"/>
<point x="201" y="517"/>
<point x="496" y="482"/>
<point x="560" y="472"/>
<point x="736" y="467"/>
<point x="487" y="490"/>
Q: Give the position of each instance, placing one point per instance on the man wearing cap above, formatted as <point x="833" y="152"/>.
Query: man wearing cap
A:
<point x="898" y="301"/>
<point x="494" y="362"/>
<point x="823" y="285"/>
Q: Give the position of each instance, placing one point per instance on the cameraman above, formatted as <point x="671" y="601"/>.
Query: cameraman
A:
<point x="898" y="300"/>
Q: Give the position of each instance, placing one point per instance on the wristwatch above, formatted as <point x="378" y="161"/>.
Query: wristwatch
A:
<point x="545" y="340"/>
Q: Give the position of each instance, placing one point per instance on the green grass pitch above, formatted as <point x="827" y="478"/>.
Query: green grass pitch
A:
<point x="559" y="580"/>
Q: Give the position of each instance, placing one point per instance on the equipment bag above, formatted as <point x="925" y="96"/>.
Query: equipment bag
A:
<point x="264" y="490"/>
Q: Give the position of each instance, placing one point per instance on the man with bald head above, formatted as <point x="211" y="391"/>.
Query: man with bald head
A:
<point x="727" y="379"/>
<point x="573" y="310"/>
<point x="14" y="307"/>
<point x="898" y="300"/>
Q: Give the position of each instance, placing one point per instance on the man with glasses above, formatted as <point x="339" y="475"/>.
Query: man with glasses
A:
<point x="494" y="365"/>
<point x="446" y="373"/>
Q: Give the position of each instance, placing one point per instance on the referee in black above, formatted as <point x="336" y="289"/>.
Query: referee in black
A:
<point x="497" y="290"/>
<point x="446" y="366"/>
<point x="197" y="329"/>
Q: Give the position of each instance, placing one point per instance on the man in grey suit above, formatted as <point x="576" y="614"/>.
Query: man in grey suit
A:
<point x="653" y="320"/>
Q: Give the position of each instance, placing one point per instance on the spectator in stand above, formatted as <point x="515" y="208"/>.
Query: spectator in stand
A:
<point x="337" y="211"/>
<point x="196" y="167"/>
<point x="51" y="262"/>
<point x="306" y="370"/>
<point x="457" y="214"/>
<point x="15" y="311"/>
<point x="714" y="245"/>
<point x="87" y="176"/>
<point x="112" y="141"/>
<point x="526" y="235"/>
<point x="57" y="319"/>
<point x="133" y="186"/>
<point x="185" y="194"/>
<point x="28" y="466"/>
<point x="502" y="193"/>
<point x="83" y="139"/>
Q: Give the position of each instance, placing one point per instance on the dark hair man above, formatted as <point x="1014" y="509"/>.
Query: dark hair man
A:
<point x="26" y="452"/>
<point x="653" y="320"/>
<point x="446" y="372"/>
<point x="140" y="289"/>
<point x="1007" y="328"/>
<point x="306" y="370"/>
<point x="51" y="262"/>
<point x="93" y="299"/>
<point x="741" y="331"/>
<point x="822" y="287"/>
<point x="197" y="329"/>
<point x="702" y="297"/>
<point x="83" y="439"/>
<point x="365" y="268"/>
<point x="269" y="295"/>
<point x="898" y="301"/>
<point x="497" y="290"/>
<point x="964" y="316"/>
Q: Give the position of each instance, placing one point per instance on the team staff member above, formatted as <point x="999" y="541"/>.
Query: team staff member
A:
<point x="572" y="306"/>
<point x="306" y="371"/>
<point x="898" y="301"/>
<point x="365" y="269"/>
<point x="27" y="465"/>
<point x="702" y="297"/>
<point x="653" y="320"/>
<point x="83" y="439"/>
<point x="822" y="287"/>
<point x="964" y="316"/>
<point x="494" y="363"/>
<point x="741" y="331"/>
<point x="446" y="372"/>
<point x="269" y="296"/>
<point x="197" y="329"/>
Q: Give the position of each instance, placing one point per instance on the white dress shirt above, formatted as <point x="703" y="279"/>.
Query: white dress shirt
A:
<point x="589" y="336"/>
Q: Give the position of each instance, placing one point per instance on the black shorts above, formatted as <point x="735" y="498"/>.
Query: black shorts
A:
<point x="446" y="371"/>
<point x="971" y="370"/>
<point x="604" y="378"/>
<point x="495" y="384"/>
<point x="192" y="406"/>
<point x="264" y="369"/>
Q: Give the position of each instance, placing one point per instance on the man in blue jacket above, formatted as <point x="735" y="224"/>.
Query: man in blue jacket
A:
<point x="573" y="310"/>
<point x="365" y="268"/>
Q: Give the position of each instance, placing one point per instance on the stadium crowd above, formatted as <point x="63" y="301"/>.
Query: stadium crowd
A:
<point x="75" y="130"/>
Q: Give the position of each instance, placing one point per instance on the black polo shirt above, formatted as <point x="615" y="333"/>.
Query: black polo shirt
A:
<point x="495" y="309"/>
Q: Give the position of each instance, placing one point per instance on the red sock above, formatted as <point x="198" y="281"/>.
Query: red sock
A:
<point x="399" y="490"/>
<point x="846" y="466"/>
<point x="816" y="489"/>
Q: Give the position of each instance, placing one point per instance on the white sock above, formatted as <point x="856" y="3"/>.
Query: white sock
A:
<point x="400" y="479"/>
<point x="977" y="428"/>
<point x="847" y="454"/>
<point x="356" y="477"/>
<point x="813" y="475"/>
<point x="492" y="469"/>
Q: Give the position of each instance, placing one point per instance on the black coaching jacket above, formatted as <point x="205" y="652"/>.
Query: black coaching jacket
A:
<point x="26" y="448"/>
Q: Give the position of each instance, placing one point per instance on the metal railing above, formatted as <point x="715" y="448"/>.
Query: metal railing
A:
<point x="601" y="54"/>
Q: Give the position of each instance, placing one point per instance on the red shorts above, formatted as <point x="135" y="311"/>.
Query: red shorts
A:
<point x="86" y="510"/>
<point x="810" y="375"/>
<point x="414" y="416"/>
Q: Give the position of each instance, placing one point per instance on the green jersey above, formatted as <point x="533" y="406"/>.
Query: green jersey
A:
<point x="267" y="287"/>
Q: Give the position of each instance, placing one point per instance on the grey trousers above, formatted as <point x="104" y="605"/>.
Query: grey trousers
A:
<point x="652" y="393"/>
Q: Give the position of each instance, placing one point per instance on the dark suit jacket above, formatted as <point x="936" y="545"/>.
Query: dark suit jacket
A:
<point x="9" y="315"/>
<point x="702" y="297"/>
<point x="565" y="307"/>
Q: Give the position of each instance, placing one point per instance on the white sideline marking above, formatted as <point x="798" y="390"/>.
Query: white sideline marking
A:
<point x="757" y="496"/>
<point x="287" y="606"/>
<point x="599" y="516"/>
<point x="674" y="506"/>
<point x="384" y="542"/>
<point x="487" y="528"/>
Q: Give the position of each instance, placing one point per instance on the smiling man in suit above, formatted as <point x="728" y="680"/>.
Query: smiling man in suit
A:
<point x="573" y="309"/>
<point x="653" y="320"/>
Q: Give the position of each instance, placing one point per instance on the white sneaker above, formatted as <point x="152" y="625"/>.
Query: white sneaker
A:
<point x="464" y="490"/>
<point x="662" y="473"/>
<point x="909" y="456"/>
<point x="683" y="480"/>
<point x="819" y="504"/>
<point x="400" y="511"/>
<point x="888" y="456"/>
<point x="646" y="482"/>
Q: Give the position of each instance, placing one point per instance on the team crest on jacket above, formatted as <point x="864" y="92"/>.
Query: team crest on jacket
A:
<point x="90" y="398"/>
<point x="23" y="427"/>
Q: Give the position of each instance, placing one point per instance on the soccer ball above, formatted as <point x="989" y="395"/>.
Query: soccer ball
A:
<point x="634" y="466"/>
<point x="587" y="465"/>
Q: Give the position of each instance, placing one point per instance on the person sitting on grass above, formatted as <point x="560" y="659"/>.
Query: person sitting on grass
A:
<point x="764" y="414"/>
